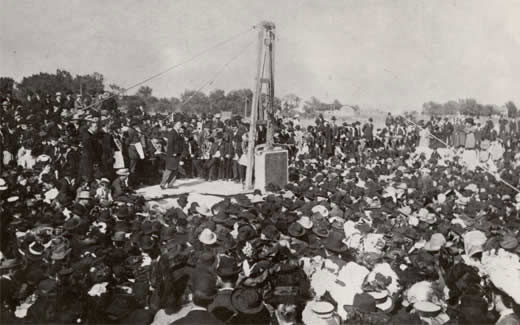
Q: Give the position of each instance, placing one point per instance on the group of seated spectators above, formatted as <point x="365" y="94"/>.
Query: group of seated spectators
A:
<point x="369" y="230"/>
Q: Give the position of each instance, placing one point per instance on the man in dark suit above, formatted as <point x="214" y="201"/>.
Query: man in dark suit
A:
<point x="227" y="272"/>
<point x="173" y="156"/>
<point x="120" y="184"/>
<point x="203" y="286"/>
<point x="368" y="132"/>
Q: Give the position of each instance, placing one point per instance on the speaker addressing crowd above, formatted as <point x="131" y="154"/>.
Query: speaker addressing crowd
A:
<point x="391" y="224"/>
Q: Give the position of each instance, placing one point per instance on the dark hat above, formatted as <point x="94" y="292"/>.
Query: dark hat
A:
<point x="320" y="231"/>
<point x="203" y="284"/>
<point x="119" y="236"/>
<point x="270" y="232"/>
<point x="61" y="251"/>
<point x="35" y="250"/>
<point x="509" y="242"/>
<point x="285" y="294"/>
<point x="296" y="230"/>
<point x="73" y="223"/>
<point x="247" y="300"/>
<point x="334" y="242"/>
<point x="47" y="286"/>
<point x="146" y="242"/>
<point x="364" y="303"/>
<point x="227" y="266"/>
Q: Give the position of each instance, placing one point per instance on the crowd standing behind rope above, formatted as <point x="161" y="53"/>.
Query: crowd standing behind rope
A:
<point x="371" y="229"/>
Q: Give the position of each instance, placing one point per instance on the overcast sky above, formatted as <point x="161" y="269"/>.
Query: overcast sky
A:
<point x="387" y="54"/>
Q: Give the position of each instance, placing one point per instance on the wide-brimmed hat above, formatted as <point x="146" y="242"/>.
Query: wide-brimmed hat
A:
<point x="296" y="230"/>
<point x="147" y="242"/>
<point x="207" y="237"/>
<point x="426" y="307"/>
<point x="321" y="210"/>
<point x="270" y="232"/>
<point x="474" y="242"/>
<point x="320" y="231"/>
<point x="334" y="242"/>
<point x="72" y="223"/>
<point x="509" y="242"/>
<point x="436" y="242"/>
<point x="60" y="251"/>
<point x="119" y="236"/>
<point x="3" y="185"/>
<point x="322" y="309"/>
<point x="363" y="302"/>
<point x="305" y="222"/>
<point x="247" y="300"/>
<point x="123" y="172"/>
<point x="257" y="199"/>
<point x="220" y="218"/>
<point x="383" y="301"/>
<point x="35" y="250"/>
<point x="203" y="210"/>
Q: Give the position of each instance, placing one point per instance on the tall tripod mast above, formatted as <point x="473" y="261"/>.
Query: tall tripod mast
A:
<point x="262" y="111"/>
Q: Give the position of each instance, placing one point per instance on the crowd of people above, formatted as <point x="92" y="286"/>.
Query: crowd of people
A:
<point x="369" y="229"/>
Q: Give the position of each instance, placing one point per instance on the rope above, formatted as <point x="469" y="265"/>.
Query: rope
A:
<point x="484" y="167"/>
<point x="216" y="75"/>
<point x="197" y="55"/>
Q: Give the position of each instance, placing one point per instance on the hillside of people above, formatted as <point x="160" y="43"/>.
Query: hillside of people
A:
<point x="410" y="221"/>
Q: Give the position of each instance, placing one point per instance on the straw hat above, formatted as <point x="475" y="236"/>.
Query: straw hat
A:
<point x="123" y="172"/>
<point x="436" y="242"/>
<point x="305" y="222"/>
<point x="207" y="237"/>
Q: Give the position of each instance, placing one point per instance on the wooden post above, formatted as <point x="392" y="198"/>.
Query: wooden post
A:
<point x="264" y="28"/>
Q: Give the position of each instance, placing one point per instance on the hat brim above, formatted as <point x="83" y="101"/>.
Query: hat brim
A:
<point x="211" y="241"/>
<point x="340" y="249"/>
<point x="296" y="234"/>
<point x="386" y="305"/>
<point x="324" y="234"/>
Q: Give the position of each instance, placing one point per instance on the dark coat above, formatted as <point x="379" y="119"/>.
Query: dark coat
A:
<point x="87" y="153"/>
<point x="132" y="138"/>
<point x="108" y="147"/>
<point x="118" y="188"/>
<point x="198" y="317"/>
<point x="174" y="150"/>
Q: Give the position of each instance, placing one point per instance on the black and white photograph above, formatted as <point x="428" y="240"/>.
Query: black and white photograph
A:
<point x="272" y="162"/>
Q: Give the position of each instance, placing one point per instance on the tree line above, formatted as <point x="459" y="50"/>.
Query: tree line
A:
<point x="468" y="106"/>
<point x="236" y="101"/>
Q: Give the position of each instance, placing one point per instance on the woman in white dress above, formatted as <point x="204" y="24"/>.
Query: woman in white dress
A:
<point x="424" y="140"/>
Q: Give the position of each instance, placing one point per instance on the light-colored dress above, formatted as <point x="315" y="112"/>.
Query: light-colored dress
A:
<point x="470" y="142"/>
<point x="424" y="141"/>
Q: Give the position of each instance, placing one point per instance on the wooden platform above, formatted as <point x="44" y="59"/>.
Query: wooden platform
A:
<point x="198" y="190"/>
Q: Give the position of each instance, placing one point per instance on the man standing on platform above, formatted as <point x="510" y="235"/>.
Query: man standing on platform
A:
<point x="173" y="156"/>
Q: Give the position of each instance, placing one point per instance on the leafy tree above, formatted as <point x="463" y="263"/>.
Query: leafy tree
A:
<point x="512" y="111"/>
<point x="62" y="81"/>
<point x="218" y="101"/>
<point x="116" y="89"/>
<point x="194" y="102"/>
<point x="238" y="99"/>
<point x="144" y="92"/>
<point x="6" y="85"/>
